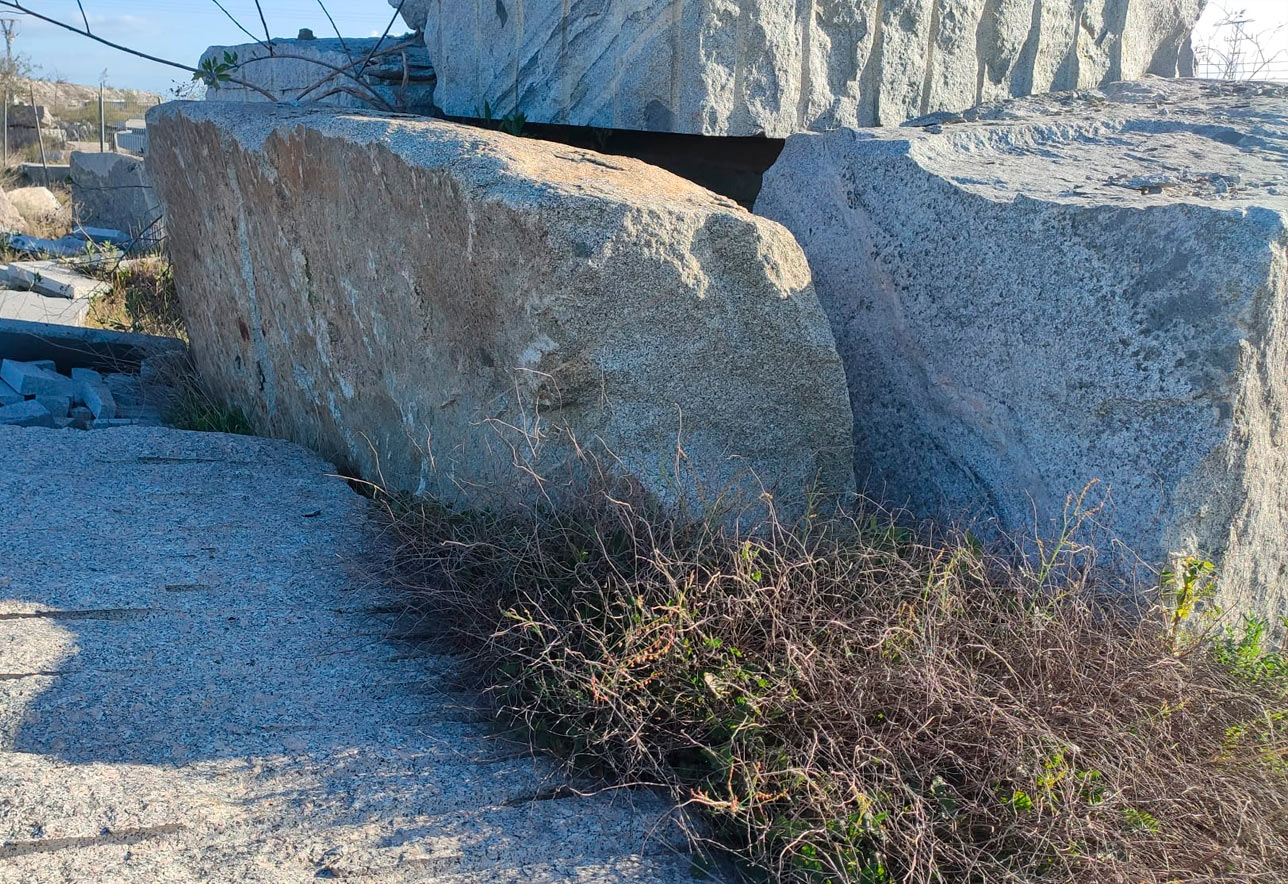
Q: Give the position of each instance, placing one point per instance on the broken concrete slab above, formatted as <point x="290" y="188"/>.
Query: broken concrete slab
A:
<point x="29" y="413"/>
<point x="1077" y="287"/>
<point x="711" y="67"/>
<point x="35" y="307"/>
<point x="53" y="279"/>
<point x="543" y="291"/>
<point x="34" y="380"/>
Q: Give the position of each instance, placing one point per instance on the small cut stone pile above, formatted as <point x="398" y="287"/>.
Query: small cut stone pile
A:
<point x="36" y="394"/>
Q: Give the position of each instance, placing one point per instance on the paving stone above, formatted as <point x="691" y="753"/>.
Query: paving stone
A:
<point x="26" y="414"/>
<point x="108" y="423"/>
<point x="58" y="406"/>
<point x="9" y="396"/>
<point x="97" y="397"/>
<point x="32" y="380"/>
<point x="79" y="374"/>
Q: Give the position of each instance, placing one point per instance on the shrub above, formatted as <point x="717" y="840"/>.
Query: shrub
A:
<point x="849" y="701"/>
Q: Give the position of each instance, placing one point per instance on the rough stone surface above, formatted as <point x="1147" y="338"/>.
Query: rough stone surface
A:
<point x="400" y="77"/>
<point x="471" y="291"/>
<point x="34" y="380"/>
<point x="1079" y="287"/>
<point x="111" y="190"/>
<point x="10" y="218"/>
<point x="783" y="66"/>
<point x="197" y="688"/>
<point x="413" y="12"/>
<point x="35" y="204"/>
<point x="35" y="307"/>
<point x="53" y="279"/>
<point x="28" y="413"/>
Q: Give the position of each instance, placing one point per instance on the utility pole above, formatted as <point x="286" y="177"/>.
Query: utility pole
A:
<point x="10" y="26"/>
<point x="102" y="122"/>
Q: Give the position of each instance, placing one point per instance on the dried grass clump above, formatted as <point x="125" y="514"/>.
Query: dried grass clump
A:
<point x="848" y="702"/>
<point x="142" y="297"/>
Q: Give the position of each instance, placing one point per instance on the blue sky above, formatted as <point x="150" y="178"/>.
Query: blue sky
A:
<point x="175" y="29"/>
<point x="181" y="29"/>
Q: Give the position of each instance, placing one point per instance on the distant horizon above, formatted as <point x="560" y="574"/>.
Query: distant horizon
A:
<point x="180" y="30"/>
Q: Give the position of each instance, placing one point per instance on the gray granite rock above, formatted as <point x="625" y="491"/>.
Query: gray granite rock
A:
<point x="29" y="413"/>
<point x="399" y="77"/>
<point x="197" y="686"/>
<point x="505" y="292"/>
<point x="1075" y="287"/>
<point x="111" y="190"/>
<point x="783" y="66"/>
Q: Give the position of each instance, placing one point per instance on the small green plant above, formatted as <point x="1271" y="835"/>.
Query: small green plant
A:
<point x="1185" y="588"/>
<point x="511" y="124"/>
<point x="214" y="71"/>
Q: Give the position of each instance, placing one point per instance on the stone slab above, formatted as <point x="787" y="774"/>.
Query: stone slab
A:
<point x="34" y="380"/>
<point x="1072" y="288"/>
<point x="219" y="703"/>
<point x="53" y="279"/>
<point x="777" y="67"/>
<point x="96" y="396"/>
<point x="8" y="395"/>
<point x="70" y="346"/>
<point x="506" y="289"/>
<point x="26" y="414"/>
<point x="35" y="307"/>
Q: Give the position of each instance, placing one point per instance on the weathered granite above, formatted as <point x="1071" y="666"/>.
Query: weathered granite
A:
<point x="198" y="688"/>
<point x="112" y="190"/>
<point x="399" y="77"/>
<point x="10" y="217"/>
<point x="1079" y="287"/>
<point x="36" y="204"/>
<point x="783" y="66"/>
<point x="470" y="291"/>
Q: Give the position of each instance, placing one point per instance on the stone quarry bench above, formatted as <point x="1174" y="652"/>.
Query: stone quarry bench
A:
<point x="1069" y="288"/>
<point x="719" y="68"/>
<point x="431" y="304"/>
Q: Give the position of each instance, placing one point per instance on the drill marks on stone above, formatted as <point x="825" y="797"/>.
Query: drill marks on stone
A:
<point x="870" y="78"/>
<point x="932" y="40"/>
<point x="807" y="10"/>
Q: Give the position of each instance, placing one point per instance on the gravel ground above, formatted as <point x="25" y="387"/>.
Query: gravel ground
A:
<point x="194" y="686"/>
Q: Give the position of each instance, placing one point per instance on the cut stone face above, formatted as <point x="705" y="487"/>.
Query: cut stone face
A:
<point x="470" y="297"/>
<point x="326" y="71"/>
<point x="111" y="190"/>
<point x="1073" y="288"/>
<point x="781" y="66"/>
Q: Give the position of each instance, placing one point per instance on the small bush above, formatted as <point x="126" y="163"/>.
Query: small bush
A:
<point x="142" y="298"/>
<point x="847" y="701"/>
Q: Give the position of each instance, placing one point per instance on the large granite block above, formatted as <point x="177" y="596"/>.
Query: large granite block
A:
<point x="1073" y="288"/>
<point x="472" y="299"/>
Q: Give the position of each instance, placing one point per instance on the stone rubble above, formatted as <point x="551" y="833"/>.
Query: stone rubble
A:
<point x="35" y="394"/>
